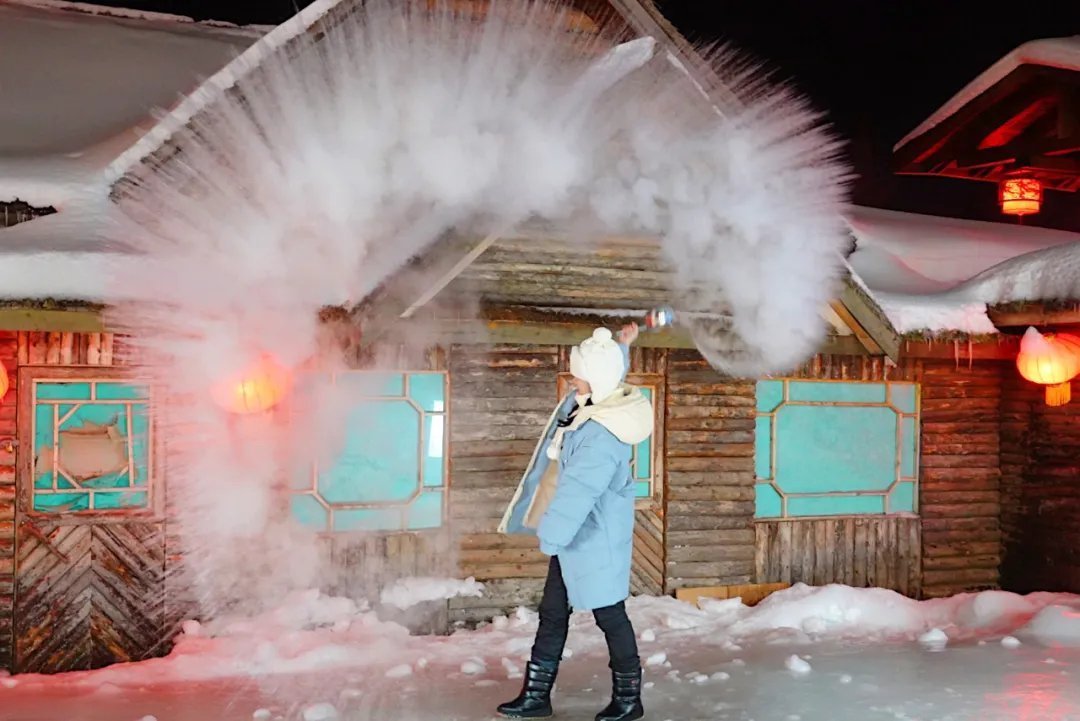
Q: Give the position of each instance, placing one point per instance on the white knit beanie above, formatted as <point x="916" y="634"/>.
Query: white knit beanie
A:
<point x="598" y="361"/>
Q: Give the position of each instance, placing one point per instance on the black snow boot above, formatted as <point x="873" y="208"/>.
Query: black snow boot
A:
<point x="534" y="701"/>
<point x="625" y="698"/>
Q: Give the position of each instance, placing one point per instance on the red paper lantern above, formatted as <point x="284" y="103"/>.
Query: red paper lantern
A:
<point x="256" y="390"/>
<point x="1020" y="196"/>
<point x="1052" y="361"/>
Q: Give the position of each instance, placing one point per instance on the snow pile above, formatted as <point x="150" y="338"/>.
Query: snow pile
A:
<point x="934" y="640"/>
<point x="310" y="632"/>
<point x="1055" y="625"/>
<point x="843" y="613"/>
<point x="409" y="592"/>
<point x="797" y="665"/>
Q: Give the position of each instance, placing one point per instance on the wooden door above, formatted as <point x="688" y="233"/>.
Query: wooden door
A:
<point x="89" y="541"/>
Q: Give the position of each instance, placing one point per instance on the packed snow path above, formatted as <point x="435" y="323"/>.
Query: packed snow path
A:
<point x="905" y="682"/>
<point x="805" y="654"/>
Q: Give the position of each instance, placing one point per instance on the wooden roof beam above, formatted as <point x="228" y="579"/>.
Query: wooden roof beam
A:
<point x="405" y="292"/>
<point x="562" y="332"/>
<point x="1034" y="314"/>
<point x="1023" y="153"/>
<point x="867" y="320"/>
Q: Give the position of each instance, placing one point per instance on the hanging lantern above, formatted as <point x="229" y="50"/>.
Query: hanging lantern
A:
<point x="1020" y="196"/>
<point x="1052" y="361"/>
<point x="5" y="382"/>
<point x="258" y="389"/>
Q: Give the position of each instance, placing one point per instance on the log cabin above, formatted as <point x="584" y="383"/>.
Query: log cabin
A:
<point x="901" y="456"/>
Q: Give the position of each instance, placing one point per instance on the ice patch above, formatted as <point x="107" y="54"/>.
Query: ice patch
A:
<point x="656" y="659"/>
<point x="1011" y="642"/>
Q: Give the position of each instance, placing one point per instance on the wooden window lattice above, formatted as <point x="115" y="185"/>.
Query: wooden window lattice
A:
<point x="92" y="446"/>
<point x="835" y="448"/>
<point x="391" y="473"/>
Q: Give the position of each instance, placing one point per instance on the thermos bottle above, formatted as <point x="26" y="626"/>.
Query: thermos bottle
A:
<point x="659" y="318"/>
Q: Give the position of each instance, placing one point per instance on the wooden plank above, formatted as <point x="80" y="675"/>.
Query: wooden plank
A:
<point x="1035" y="314"/>
<point x="486" y="332"/>
<point x="1040" y="520"/>
<point x="75" y="320"/>
<point x="867" y="321"/>
<point x="960" y="474"/>
<point x="750" y="593"/>
<point x="960" y="351"/>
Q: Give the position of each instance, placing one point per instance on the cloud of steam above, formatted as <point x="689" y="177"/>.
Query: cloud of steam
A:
<point x="324" y="169"/>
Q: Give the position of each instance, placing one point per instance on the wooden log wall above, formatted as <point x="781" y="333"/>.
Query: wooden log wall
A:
<point x="647" y="573"/>
<point x="1040" y="490"/>
<point x="960" y="476"/>
<point x="500" y="399"/>
<point x="9" y="359"/>
<point x="1018" y="400"/>
<point x="882" y="552"/>
<point x="710" y="476"/>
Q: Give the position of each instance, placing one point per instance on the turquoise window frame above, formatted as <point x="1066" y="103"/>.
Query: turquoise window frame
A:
<point x="836" y="448"/>
<point x="368" y="493"/>
<point x="58" y="400"/>
<point x="647" y="458"/>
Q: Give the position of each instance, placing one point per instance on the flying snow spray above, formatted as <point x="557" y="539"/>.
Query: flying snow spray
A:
<point x="659" y="318"/>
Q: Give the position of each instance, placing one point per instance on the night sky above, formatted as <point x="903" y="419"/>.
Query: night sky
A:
<point x="877" y="67"/>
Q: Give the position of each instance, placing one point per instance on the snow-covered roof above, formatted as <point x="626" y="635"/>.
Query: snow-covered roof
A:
<point x="81" y="83"/>
<point x="918" y="254"/>
<point x="1052" y="52"/>
<point x="940" y="274"/>
<point x="224" y="78"/>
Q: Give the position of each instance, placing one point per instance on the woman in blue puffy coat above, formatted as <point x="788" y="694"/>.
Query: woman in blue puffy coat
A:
<point x="577" y="496"/>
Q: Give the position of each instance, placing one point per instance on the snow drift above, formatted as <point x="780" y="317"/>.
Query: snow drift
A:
<point x="311" y="632"/>
<point x="311" y="169"/>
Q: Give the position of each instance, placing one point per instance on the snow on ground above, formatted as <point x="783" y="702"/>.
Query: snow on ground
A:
<point x="803" y="654"/>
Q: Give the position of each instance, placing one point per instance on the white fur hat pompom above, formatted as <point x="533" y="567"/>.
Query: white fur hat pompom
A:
<point x="598" y="361"/>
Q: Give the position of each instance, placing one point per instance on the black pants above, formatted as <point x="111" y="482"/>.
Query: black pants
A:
<point x="555" y="624"/>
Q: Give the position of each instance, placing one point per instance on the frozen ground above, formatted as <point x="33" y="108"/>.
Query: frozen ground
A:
<point x="804" y="655"/>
